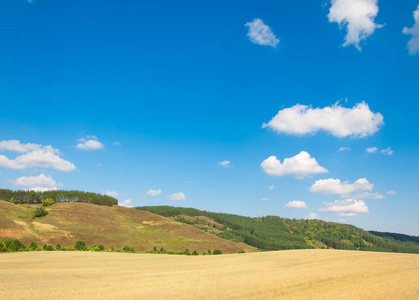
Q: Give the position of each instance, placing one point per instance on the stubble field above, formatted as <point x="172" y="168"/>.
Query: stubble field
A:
<point x="294" y="274"/>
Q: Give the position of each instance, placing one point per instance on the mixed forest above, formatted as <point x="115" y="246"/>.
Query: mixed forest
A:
<point x="275" y="233"/>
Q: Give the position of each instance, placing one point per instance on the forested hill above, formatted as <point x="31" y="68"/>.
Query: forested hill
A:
<point x="275" y="233"/>
<point x="32" y="197"/>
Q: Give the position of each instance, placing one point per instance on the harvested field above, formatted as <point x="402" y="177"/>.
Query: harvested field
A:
<point x="294" y="274"/>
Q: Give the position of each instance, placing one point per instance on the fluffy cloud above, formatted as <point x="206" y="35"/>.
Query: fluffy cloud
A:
<point x="300" y="165"/>
<point x="35" y="156"/>
<point x="358" y="121"/>
<point x="265" y="199"/>
<point x="391" y="193"/>
<point x="297" y="204"/>
<point x="312" y="216"/>
<point x="16" y="146"/>
<point x="126" y="203"/>
<point x="413" y="44"/>
<point x="371" y="150"/>
<point x="271" y="187"/>
<point x="36" y="183"/>
<point x="344" y="149"/>
<point x="224" y="163"/>
<point x="335" y="186"/>
<point x="261" y="34"/>
<point x="358" y="16"/>
<point x="177" y="196"/>
<point x="153" y="193"/>
<point x="111" y="193"/>
<point x="343" y="207"/>
<point x="90" y="143"/>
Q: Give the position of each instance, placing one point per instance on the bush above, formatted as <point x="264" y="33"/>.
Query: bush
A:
<point x="15" y="246"/>
<point x="48" y="202"/>
<point x="48" y="247"/>
<point x="3" y="247"/>
<point x="194" y="252"/>
<point x="216" y="251"/>
<point x="33" y="247"/>
<point x="58" y="247"/>
<point x="80" y="246"/>
<point x="39" y="212"/>
<point x="128" y="249"/>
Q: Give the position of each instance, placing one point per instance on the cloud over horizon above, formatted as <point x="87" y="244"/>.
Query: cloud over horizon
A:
<point x="297" y="204"/>
<point x="346" y="208"/>
<point x="177" y="196"/>
<point x="153" y="193"/>
<point x="358" y="121"/>
<point x="35" y="156"/>
<point x="300" y="165"/>
<point x="36" y="183"/>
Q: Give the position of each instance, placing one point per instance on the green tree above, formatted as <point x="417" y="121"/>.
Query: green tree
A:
<point x="48" y="202"/>
<point x="39" y="212"/>
<point x="80" y="246"/>
<point x="3" y="247"/>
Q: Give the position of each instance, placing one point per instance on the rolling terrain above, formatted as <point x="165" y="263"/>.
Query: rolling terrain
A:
<point x="293" y="274"/>
<point x="111" y="226"/>
<point x="275" y="233"/>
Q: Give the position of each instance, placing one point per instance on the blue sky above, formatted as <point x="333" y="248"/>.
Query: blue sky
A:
<point x="170" y="99"/>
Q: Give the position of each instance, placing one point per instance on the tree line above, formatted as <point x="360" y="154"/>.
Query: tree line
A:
<point x="32" y="197"/>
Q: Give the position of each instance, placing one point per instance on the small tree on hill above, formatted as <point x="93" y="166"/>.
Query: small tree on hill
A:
<point x="33" y="246"/>
<point x="39" y="212"/>
<point x="216" y="251"/>
<point x="48" y="202"/>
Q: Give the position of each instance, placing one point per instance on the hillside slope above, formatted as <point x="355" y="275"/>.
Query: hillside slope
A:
<point x="275" y="233"/>
<point x="111" y="226"/>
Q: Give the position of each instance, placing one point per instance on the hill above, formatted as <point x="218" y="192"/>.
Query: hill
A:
<point x="111" y="226"/>
<point x="294" y="274"/>
<point x="275" y="233"/>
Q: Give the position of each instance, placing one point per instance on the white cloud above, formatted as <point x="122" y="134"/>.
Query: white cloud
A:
<point x="224" y="163"/>
<point x="265" y="199"/>
<point x="16" y="146"/>
<point x="358" y="121"/>
<point x="90" y="143"/>
<point x="371" y="150"/>
<point x="346" y="206"/>
<point x="35" y="156"/>
<point x="358" y="16"/>
<point x="271" y="187"/>
<point x="177" y="196"/>
<point x="261" y="34"/>
<point x="335" y="186"/>
<point x="344" y="149"/>
<point x="367" y="195"/>
<point x="153" y="193"/>
<point x="111" y="193"/>
<point x="126" y="203"/>
<point x="116" y="143"/>
<point x="392" y="193"/>
<point x="297" y="204"/>
<point x="36" y="183"/>
<point x="347" y="215"/>
<point x="300" y="165"/>
<point x="387" y="151"/>
<point x="413" y="44"/>
<point x="312" y="216"/>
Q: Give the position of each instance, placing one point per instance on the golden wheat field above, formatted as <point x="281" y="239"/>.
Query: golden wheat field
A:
<point x="294" y="274"/>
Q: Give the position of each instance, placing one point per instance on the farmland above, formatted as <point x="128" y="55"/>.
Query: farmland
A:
<point x="292" y="274"/>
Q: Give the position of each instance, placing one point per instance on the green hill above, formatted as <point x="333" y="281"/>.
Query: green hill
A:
<point x="275" y="233"/>
<point x="111" y="226"/>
